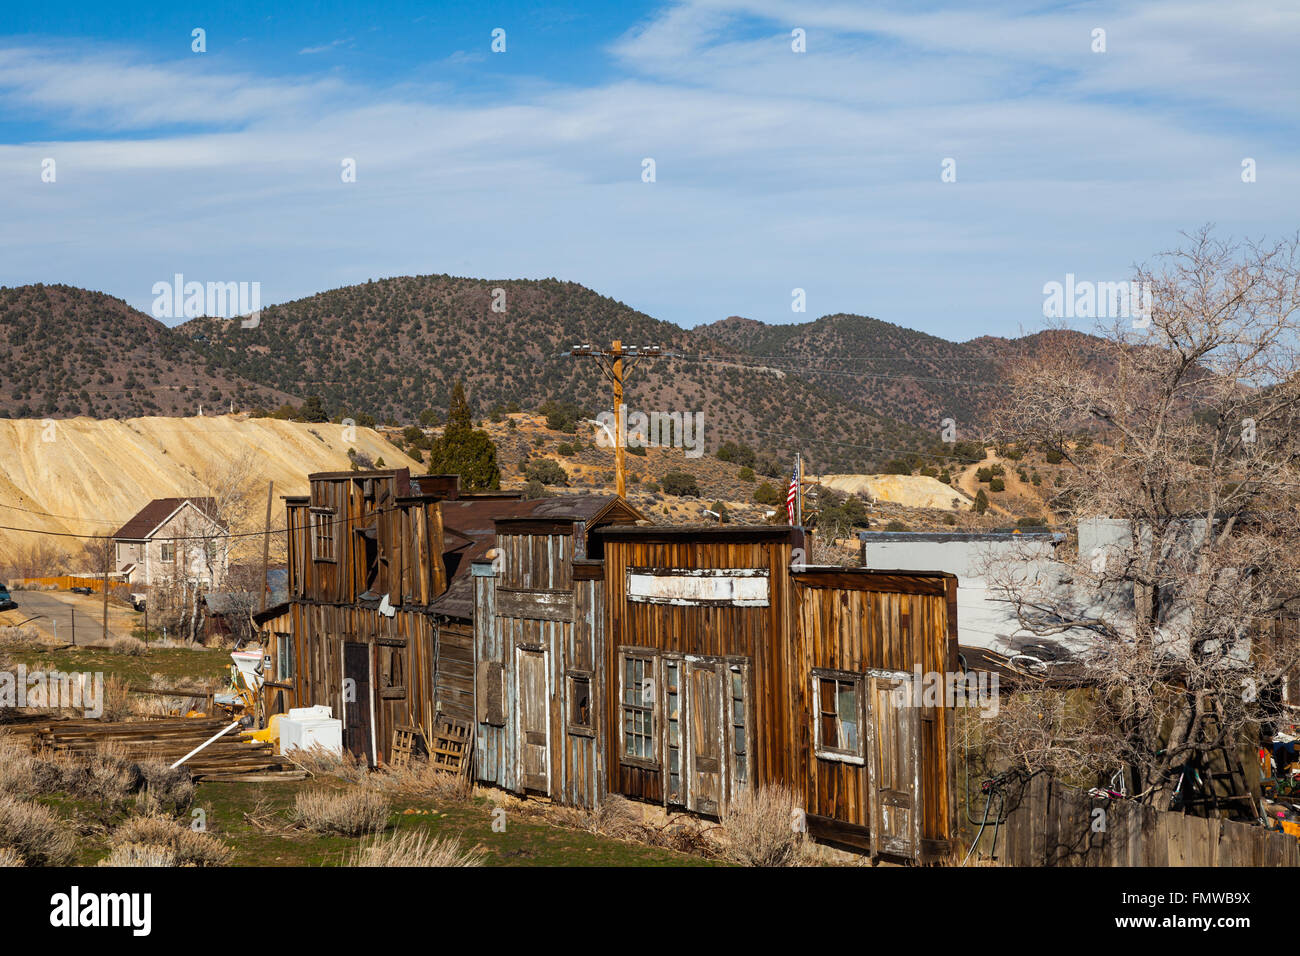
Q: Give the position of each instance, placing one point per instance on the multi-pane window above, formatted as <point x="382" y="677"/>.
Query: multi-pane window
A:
<point x="838" y="699"/>
<point x="322" y="534"/>
<point x="739" y="745"/>
<point x="673" y="716"/>
<point x="638" y="707"/>
<point x="168" y="551"/>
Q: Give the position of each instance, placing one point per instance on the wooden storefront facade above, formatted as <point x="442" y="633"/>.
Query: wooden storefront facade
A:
<point x="683" y="666"/>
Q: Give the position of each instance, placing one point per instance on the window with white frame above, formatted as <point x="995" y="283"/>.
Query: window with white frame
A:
<point x="167" y="551"/>
<point x="284" y="659"/>
<point x="837" y="710"/>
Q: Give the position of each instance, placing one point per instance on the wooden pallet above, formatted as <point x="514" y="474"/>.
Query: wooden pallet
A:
<point x="408" y="742"/>
<point x="452" y="744"/>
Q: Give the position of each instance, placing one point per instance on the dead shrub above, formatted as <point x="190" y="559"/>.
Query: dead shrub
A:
<point x="349" y="812"/>
<point x="130" y="646"/>
<point x="118" y="703"/>
<point x="139" y="854"/>
<point x="190" y="847"/>
<point x="758" y="829"/>
<point x="615" y="817"/>
<point x="415" y="848"/>
<point x="17" y="775"/>
<point x="112" y="777"/>
<point x="165" y="790"/>
<point x="35" y="833"/>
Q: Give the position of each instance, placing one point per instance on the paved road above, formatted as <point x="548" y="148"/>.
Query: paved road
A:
<point x="56" y="616"/>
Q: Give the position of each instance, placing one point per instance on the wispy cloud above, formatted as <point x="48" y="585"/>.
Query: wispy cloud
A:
<point x="775" y="169"/>
<point x="324" y="48"/>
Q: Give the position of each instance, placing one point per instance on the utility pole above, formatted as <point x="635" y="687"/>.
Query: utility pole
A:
<point x="266" y="542"/>
<point x="104" y="584"/>
<point x="611" y="362"/>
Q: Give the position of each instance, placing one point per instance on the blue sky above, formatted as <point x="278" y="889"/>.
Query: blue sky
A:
<point x="775" y="170"/>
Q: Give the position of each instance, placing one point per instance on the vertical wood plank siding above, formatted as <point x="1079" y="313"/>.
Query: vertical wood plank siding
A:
<point x="832" y="619"/>
<point x="411" y="684"/>
<point x="528" y="598"/>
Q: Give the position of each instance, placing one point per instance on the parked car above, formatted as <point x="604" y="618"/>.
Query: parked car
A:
<point x="137" y="600"/>
<point x="82" y="590"/>
<point x="7" y="602"/>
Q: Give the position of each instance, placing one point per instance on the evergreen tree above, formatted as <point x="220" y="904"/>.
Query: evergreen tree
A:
<point x="464" y="450"/>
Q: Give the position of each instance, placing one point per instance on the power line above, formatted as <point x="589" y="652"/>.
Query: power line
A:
<point x="190" y="537"/>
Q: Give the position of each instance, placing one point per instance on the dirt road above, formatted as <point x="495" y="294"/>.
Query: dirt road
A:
<point x="52" y="613"/>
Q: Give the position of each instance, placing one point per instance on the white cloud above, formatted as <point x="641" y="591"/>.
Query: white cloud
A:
<point x="775" y="169"/>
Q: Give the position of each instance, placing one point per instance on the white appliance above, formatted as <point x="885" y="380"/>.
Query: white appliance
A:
<point x="306" y="727"/>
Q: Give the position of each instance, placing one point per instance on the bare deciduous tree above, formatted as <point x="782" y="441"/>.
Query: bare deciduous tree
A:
<point x="1184" y="430"/>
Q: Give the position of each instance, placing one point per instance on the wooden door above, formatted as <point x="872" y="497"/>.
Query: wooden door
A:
<point x="707" y="745"/>
<point x="532" y="703"/>
<point x="358" y="734"/>
<point x="894" y="766"/>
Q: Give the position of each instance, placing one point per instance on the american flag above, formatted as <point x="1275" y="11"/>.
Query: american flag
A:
<point x="793" y="494"/>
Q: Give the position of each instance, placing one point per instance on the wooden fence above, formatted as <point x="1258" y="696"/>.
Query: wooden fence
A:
<point x="64" y="582"/>
<point x="1048" y="824"/>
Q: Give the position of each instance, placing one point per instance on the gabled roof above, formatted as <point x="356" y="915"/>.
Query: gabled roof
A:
<point x="158" y="512"/>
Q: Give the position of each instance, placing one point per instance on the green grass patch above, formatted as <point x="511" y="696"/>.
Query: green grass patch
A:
<point x="524" y="842"/>
<point x="202" y="664"/>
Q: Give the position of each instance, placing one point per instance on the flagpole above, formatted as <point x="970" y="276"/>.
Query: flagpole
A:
<point x="798" y="490"/>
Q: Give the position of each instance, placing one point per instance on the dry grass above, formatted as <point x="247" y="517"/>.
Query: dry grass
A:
<point x="350" y="812"/>
<point x="189" y="847"/>
<point x="759" y="830"/>
<point x="139" y="854"/>
<point x="130" y="646"/>
<point x="420" y="778"/>
<point x="9" y="858"/>
<point x="319" y="762"/>
<point x="19" y="638"/>
<point x="620" y="819"/>
<point x="415" y="848"/>
<point x="35" y="834"/>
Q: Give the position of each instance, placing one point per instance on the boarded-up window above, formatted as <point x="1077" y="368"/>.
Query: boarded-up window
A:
<point x="491" y="694"/>
<point x="837" y="699"/>
<point x="392" y="672"/>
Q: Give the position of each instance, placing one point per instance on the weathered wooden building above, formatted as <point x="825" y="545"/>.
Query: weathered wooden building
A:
<point x="683" y="666"/>
<point x="381" y="601"/>
<point x="539" y="630"/>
